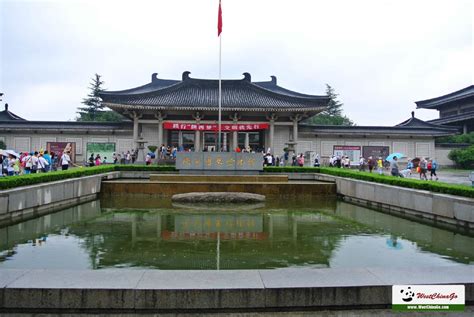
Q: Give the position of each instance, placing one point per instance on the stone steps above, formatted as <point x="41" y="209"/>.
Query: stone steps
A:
<point x="220" y="178"/>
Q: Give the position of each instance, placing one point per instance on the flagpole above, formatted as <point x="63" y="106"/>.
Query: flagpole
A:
<point x="220" y="92"/>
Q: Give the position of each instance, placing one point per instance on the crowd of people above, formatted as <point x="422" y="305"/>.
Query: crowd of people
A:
<point x="413" y="166"/>
<point x="13" y="163"/>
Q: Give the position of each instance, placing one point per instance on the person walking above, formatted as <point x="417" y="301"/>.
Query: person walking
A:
<point x="432" y="166"/>
<point x="423" y="168"/>
<point x="380" y="166"/>
<point x="47" y="157"/>
<point x="371" y="164"/>
<point x="362" y="164"/>
<point x="65" y="161"/>
<point x="394" y="169"/>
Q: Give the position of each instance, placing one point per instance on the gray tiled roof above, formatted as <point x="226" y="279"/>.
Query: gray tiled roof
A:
<point x="24" y="125"/>
<point x="191" y="93"/>
<point x="412" y="126"/>
<point x="438" y="102"/>
<point x="374" y="130"/>
<point x="7" y="115"/>
<point x="417" y="123"/>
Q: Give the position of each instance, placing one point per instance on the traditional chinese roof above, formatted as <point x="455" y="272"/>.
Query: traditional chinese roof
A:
<point x="407" y="128"/>
<point x="464" y="94"/>
<point x="417" y="123"/>
<point x="69" y="127"/>
<point x="7" y="115"/>
<point x="202" y="94"/>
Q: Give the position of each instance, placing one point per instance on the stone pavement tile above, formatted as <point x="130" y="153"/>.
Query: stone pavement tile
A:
<point x="427" y="275"/>
<point x="8" y="276"/>
<point x="230" y="279"/>
<point x="73" y="289"/>
<point x="199" y="289"/>
<point x="292" y="278"/>
<point x="79" y="279"/>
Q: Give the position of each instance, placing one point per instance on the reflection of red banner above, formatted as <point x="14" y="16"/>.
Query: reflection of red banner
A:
<point x="173" y="235"/>
<point x="214" y="127"/>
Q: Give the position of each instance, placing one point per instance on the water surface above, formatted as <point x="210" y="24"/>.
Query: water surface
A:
<point x="159" y="235"/>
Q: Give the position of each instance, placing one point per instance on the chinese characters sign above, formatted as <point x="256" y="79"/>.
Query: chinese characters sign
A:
<point x="214" y="127"/>
<point x="219" y="161"/>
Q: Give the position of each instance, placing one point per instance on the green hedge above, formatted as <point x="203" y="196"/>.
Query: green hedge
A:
<point x="291" y="169"/>
<point x="439" y="187"/>
<point x="31" y="179"/>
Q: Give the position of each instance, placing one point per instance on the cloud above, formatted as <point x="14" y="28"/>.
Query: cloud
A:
<point x="380" y="56"/>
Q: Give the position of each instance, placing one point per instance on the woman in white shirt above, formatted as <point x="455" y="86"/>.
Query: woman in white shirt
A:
<point x="65" y="161"/>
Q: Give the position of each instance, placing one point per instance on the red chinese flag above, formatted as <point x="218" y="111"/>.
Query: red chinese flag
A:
<point x="219" y="20"/>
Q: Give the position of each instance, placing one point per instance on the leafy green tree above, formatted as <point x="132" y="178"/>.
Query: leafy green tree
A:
<point x="93" y="109"/>
<point x="93" y="106"/>
<point x="463" y="158"/>
<point x="467" y="138"/>
<point x="105" y="116"/>
<point x="3" y="146"/>
<point x="332" y="115"/>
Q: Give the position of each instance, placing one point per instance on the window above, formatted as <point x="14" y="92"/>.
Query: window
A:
<point x="188" y="140"/>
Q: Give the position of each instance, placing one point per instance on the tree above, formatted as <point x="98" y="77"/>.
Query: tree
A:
<point x="93" y="106"/>
<point x="464" y="158"/>
<point x="332" y="115"/>
<point x="94" y="110"/>
<point x="2" y="145"/>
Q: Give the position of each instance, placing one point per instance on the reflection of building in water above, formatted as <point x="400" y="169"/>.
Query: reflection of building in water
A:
<point x="228" y="227"/>
<point x="35" y="229"/>
<point x="271" y="238"/>
<point x="194" y="240"/>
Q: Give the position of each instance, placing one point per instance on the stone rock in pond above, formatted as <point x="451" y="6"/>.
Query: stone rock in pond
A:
<point x="219" y="197"/>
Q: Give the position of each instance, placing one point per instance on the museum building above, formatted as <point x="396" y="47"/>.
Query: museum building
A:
<point x="260" y="115"/>
<point x="455" y="109"/>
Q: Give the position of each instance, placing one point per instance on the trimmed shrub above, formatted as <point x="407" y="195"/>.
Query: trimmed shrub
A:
<point x="32" y="179"/>
<point x="291" y="169"/>
<point x="464" y="158"/>
<point x="452" y="189"/>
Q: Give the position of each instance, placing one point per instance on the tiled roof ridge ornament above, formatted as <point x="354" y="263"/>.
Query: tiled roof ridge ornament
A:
<point x="186" y="75"/>
<point x="154" y="77"/>
<point x="247" y="77"/>
<point x="274" y="79"/>
<point x="413" y="114"/>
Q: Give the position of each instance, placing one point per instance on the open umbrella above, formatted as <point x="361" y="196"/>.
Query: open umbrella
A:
<point x="397" y="155"/>
<point x="13" y="153"/>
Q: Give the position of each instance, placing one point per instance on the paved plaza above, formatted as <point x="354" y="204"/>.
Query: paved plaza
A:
<point x="451" y="176"/>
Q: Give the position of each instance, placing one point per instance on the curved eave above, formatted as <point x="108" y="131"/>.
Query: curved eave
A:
<point x="393" y="134"/>
<point x="434" y="103"/>
<point x="110" y="97"/>
<point x="122" y="107"/>
<point x="268" y="85"/>
<point x="453" y="119"/>
<point x="140" y="90"/>
<point x="414" y="123"/>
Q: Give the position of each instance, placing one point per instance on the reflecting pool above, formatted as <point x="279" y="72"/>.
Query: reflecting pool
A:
<point x="160" y="235"/>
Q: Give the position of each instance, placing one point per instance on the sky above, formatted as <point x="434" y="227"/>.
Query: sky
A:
<point x="380" y="56"/>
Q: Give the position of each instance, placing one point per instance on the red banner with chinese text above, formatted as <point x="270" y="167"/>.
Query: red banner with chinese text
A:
<point x="214" y="127"/>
